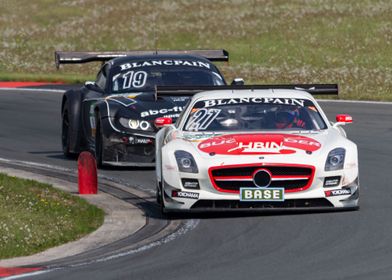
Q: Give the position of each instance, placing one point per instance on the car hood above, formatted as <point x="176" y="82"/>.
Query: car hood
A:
<point x="256" y="144"/>
<point x="145" y="106"/>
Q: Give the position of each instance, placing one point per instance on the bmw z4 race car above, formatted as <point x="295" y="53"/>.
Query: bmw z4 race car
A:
<point x="256" y="148"/>
<point x="114" y="116"/>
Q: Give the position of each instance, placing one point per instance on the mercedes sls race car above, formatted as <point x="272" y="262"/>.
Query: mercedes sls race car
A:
<point x="258" y="147"/>
<point x="113" y="116"/>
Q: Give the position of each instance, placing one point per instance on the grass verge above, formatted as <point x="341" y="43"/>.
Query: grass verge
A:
<point x="282" y="41"/>
<point x="35" y="216"/>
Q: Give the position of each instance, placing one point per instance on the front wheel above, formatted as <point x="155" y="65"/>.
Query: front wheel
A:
<point x="158" y="194"/>
<point x="98" y="143"/>
<point x="66" y="131"/>
<point x="160" y="199"/>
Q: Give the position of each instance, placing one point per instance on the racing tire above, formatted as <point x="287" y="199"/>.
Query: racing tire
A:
<point x="162" y="201"/>
<point x="66" y="130"/>
<point x="98" y="143"/>
<point x="158" y="194"/>
<point x="164" y="211"/>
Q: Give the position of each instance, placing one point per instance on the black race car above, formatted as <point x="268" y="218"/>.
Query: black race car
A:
<point x="113" y="117"/>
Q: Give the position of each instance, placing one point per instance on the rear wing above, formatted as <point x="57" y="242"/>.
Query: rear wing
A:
<point x="83" y="57"/>
<point x="314" y="89"/>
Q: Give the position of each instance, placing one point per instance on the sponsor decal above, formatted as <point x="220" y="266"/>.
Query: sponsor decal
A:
<point x="124" y="99"/>
<point x="190" y="183"/>
<point x="261" y="194"/>
<point x="258" y="100"/>
<point x="337" y="192"/>
<point x="191" y="195"/>
<point x="258" y="144"/>
<point x="198" y="137"/>
<point x="166" y="62"/>
<point x="161" y="111"/>
<point x="331" y="181"/>
<point x="179" y="98"/>
<point x="173" y="116"/>
<point x="137" y="140"/>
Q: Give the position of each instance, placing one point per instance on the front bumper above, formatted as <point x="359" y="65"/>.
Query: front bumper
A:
<point x="129" y="149"/>
<point x="207" y="198"/>
<point x="258" y="209"/>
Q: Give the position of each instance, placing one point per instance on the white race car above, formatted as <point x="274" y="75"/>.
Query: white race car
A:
<point x="256" y="149"/>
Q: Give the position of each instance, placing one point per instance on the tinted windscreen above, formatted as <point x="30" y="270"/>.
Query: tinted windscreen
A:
<point x="143" y="78"/>
<point x="247" y="114"/>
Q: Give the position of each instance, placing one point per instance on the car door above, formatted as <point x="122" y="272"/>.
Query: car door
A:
<point x="95" y="91"/>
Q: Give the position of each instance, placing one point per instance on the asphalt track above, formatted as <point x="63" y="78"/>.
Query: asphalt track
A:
<point x="338" y="245"/>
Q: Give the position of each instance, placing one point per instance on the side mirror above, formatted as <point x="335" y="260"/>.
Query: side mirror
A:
<point x="162" y="122"/>
<point x="342" y="119"/>
<point x="90" y="85"/>
<point x="238" y="82"/>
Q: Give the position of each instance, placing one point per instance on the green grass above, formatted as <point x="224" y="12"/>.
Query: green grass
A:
<point x="35" y="216"/>
<point x="65" y="78"/>
<point x="282" y="41"/>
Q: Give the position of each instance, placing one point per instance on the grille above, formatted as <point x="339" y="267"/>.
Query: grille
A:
<point x="291" y="178"/>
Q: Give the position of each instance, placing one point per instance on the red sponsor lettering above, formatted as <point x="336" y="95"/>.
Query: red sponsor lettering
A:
<point x="256" y="144"/>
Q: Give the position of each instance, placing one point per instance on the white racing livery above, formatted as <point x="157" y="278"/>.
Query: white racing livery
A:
<point x="256" y="149"/>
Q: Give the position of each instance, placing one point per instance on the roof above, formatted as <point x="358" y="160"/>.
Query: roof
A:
<point x="236" y="93"/>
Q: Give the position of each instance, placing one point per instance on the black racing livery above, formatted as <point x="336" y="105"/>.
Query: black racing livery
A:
<point x="113" y="117"/>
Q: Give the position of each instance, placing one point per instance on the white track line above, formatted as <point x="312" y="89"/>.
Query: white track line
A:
<point x="36" y="164"/>
<point x="33" y="89"/>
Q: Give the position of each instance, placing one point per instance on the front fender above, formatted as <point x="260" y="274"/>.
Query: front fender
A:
<point x="159" y="143"/>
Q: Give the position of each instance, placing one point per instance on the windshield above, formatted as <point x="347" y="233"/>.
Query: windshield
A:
<point x="251" y="114"/>
<point x="146" y="78"/>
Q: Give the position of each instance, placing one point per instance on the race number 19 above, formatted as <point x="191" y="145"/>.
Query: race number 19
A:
<point x="134" y="79"/>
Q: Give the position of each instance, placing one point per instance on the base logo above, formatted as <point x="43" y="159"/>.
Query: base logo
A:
<point x="262" y="194"/>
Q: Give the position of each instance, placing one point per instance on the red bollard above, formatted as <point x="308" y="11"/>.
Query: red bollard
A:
<point x="87" y="171"/>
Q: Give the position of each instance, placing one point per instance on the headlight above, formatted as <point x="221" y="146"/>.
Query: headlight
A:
<point x="186" y="162"/>
<point x="136" y="124"/>
<point x="335" y="159"/>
